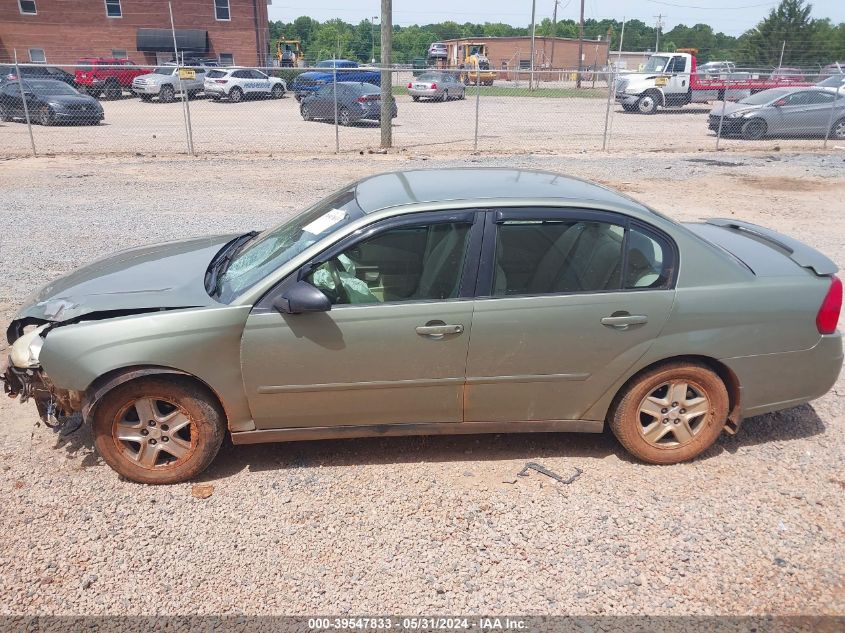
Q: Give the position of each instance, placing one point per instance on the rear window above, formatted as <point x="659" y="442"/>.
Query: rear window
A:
<point x="84" y="66"/>
<point x="215" y="74"/>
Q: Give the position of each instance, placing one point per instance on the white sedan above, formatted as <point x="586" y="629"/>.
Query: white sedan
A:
<point x="237" y="83"/>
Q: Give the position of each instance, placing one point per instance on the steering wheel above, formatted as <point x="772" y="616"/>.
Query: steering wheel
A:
<point x="333" y="266"/>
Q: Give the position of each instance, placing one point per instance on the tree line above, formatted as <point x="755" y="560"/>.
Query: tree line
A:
<point x="809" y="42"/>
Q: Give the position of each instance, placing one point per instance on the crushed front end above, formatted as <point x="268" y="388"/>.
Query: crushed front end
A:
<point x="24" y="378"/>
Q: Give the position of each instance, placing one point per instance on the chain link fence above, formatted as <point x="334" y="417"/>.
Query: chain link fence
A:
<point x="218" y="110"/>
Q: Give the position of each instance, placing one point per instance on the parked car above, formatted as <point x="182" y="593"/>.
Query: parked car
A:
<point x="437" y="86"/>
<point x="716" y="68"/>
<point x="834" y="81"/>
<point x="106" y="76"/>
<point x="236" y="84"/>
<point x="48" y="102"/>
<point x="832" y="70"/>
<point x="355" y="102"/>
<point x="353" y="319"/>
<point x="8" y="72"/>
<point x="783" y="111"/>
<point x="164" y="82"/>
<point x="788" y="74"/>
<point x="437" y="49"/>
<point x="346" y="70"/>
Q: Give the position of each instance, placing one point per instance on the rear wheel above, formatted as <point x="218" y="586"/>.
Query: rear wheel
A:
<point x="113" y="90"/>
<point x="671" y="413"/>
<point x="343" y="117"/>
<point x="4" y="115"/>
<point x="754" y="129"/>
<point x="305" y="111"/>
<point x="445" y="95"/>
<point x="415" y="98"/>
<point x="838" y="130"/>
<point x="158" y="431"/>
<point x="277" y="91"/>
<point x="236" y="95"/>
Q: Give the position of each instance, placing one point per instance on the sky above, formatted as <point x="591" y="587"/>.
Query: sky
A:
<point x="732" y="17"/>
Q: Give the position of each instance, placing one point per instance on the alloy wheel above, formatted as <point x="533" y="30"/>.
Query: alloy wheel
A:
<point x="673" y="413"/>
<point x="154" y="433"/>
<point x="838" y="131"/>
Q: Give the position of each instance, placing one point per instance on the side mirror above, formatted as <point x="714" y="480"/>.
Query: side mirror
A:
<point x="302" y="297"/>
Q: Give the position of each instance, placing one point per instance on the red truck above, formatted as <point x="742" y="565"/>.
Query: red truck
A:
<point x="107" y="76"/>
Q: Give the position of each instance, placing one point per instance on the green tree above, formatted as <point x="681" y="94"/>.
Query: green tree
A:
<point x="788" y="27"/>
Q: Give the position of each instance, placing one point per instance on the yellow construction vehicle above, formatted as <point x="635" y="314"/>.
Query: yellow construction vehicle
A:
<point x="288" y="52"/>
<point x="474" y="63"/>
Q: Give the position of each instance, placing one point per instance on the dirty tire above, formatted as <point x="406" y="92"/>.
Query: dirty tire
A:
<point x="754" y="129"/>
<point x="167" y="94"/>
<point x="198" y="440"/>
<point x="630" y="423"/>
<point x="236" y="95"/>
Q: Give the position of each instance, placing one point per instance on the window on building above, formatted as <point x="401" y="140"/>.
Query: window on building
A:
<point x="27" y="6"/>
<point x="37" y="56"/>
<point x="119" y="53"/>
<point x="525" y="64"/>
<point x="221" y="10"/>
<point x="227" y="59"/>
<point x="113" y="9"/>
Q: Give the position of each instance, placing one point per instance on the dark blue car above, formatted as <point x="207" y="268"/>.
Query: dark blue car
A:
<point x="309" y="82"/>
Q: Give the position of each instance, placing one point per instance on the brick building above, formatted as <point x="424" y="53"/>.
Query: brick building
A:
<point x="514" y="53"/>
<point x="62" y="31"/>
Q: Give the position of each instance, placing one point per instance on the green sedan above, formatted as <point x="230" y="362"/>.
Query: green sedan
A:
<point x="433" y="302"/>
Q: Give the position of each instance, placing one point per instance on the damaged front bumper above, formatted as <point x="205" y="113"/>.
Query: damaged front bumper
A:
<point x="31" y="383"/>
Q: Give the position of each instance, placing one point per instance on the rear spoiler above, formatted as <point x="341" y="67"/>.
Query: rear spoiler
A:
<point x="798" y="252"/>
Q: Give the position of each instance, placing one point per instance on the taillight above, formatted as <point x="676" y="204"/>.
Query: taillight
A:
<point x="434" y="86"/>
<point x="410" y="85"/>
<point x="366" y="98"/>
<point x="828" y="315"/>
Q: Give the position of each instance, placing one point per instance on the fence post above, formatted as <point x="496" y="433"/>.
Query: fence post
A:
<point x="722" y="118"/>
<point x="186" y="112"/>
<point x="25" y="105"/>
<point x="830" y="117"/>
<point x="611" y="83"/>
<point x="477" y="104"/>
<point x="334" y="98"/>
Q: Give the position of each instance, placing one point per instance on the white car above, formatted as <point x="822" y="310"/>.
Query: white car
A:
<point x="237" y="83"/>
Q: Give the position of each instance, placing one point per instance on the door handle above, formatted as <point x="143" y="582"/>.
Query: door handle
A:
<point x="439" y="330"/>
<point x="623" y="320"/>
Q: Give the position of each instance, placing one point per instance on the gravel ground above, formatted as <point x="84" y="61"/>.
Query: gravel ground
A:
<point x="510" y="124"/>
<point x="414" y="525"/>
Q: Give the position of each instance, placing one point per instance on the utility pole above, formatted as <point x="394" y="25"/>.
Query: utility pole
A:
<point x="386" y="78"/>
<point x="659" y="17"/>
<point x="533" y="33"/>
<point x="554" y="34"/>
<point x="373" y="33"/>
<point x="580" y="46"/>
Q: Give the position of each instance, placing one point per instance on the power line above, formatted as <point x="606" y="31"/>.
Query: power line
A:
<point x="694" y="6"/>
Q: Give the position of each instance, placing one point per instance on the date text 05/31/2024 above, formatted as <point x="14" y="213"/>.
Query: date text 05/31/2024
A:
<point x="417" y="623"/>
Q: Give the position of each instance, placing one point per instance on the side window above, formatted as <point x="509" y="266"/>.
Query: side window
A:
<point x="557" y="256"/>
<point x="798" y="98"/>
<point x="409" y="263"/>
<point x="650" y="261"/>
<point x="241" y="74"/>
<point x="821" y="97"/>
<point x="257" y="74"/>
<point x="677" y="65"/>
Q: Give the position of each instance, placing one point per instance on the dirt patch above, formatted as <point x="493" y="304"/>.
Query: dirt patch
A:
<point x="781" y="183"/>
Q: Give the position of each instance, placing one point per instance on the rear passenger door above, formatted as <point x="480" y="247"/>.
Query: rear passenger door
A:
<point x="567" y="301"/>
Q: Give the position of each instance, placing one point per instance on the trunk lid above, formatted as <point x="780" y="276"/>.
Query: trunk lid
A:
<point x="766" y="252"/>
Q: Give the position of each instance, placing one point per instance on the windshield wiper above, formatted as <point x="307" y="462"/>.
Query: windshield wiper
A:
<point x="220" y="264"/>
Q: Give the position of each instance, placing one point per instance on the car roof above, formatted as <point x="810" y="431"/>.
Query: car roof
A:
<point x="468" y="184"/>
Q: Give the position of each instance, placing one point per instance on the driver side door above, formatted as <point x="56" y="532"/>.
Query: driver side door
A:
<point x="393" y="347"/>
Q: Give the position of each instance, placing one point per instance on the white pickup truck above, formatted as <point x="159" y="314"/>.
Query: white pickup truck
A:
<point x="164" y="83"/>
<point x="674" y="80"/>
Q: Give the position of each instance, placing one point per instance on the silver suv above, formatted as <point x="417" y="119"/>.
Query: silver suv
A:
<point x="164" y="83"/>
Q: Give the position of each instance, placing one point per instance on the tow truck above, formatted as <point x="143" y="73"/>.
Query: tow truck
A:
<point x="673" y="80"/>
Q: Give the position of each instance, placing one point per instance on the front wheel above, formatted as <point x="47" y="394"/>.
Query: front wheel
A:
<point x="670" y="414"/>
<point x="167" y="94"/>
<point x="45" y="116"/>
<point x="838" y="130"/>
<point x="754" y="129"/>
<point x="305" y="111"/>
<point x="277" y="92"/>
<point x="646" y="104"/>
<point x="236" y="95"/>
<point x="344" y="118"/>
<point x="445" y="95"/>
<point x="158" y="431"/>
